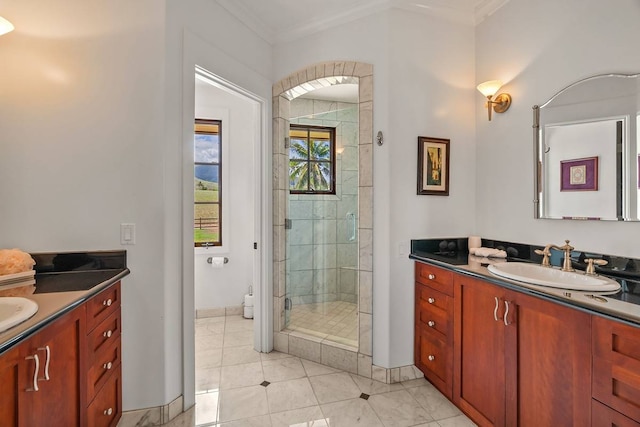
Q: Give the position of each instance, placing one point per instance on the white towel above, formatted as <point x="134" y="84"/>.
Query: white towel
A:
<point x="488" y="252"/>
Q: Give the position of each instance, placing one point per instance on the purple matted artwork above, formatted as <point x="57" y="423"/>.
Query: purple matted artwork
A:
<point x="579" y="174"/>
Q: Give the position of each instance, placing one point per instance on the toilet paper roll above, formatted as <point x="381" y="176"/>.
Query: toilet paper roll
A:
<point x="248" y="300"/>
<point x="217" y="262"/>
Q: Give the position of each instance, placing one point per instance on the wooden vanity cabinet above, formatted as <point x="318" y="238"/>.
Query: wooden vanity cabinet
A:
<point x="50" y="394"/>
<point x="616" y="373"/>
<point x="433" y="338"/>
<point x="519" y="360"/>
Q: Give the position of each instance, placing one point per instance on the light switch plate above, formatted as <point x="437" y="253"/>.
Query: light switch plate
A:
<point x="127" y="234"/>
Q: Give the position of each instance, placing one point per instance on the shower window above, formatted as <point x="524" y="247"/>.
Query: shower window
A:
<point x="312" y="158"/>
<point x="207" y="186"/>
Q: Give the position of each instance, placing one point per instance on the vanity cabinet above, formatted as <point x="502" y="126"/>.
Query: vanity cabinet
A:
<point x="514" y="359"/>
<point x="39" y="371"/>
<point x="69" y="372"/>
<point x="433" y="342"/>
<point x="616" y="373"/>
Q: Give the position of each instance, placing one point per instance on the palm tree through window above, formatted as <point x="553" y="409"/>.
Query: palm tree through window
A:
<point x="312" y="160"/>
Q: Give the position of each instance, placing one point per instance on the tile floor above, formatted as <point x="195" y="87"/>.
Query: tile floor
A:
<point x="239" y="387"/>
<point x="334" y="321"/>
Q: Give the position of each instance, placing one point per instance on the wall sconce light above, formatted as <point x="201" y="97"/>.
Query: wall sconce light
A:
<point x="501" y="103"/>
<point x="5" y="26"/>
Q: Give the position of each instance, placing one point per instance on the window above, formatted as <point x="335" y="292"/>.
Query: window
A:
<point x="207" y="189"/>
<point x="312" y="160"/>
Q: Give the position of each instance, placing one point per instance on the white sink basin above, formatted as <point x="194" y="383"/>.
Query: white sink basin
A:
<point x="14" y="310"/>
<point x="552" y="276"/>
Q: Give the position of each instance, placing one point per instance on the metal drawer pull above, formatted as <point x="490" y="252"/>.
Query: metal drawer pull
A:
<point x="431" y="300"/>
<point x="35" y="372"/>
<point x="506" y="313"/>
<point x="108" y="411"/>
<point x="108" y="333"/>
<point x="46" y="363"/>
<point x="107" y="303"/>
<point x="107" y="366"/>
<point x="495" y="310"/>
<point x="431" y="357"/>
<point x="431" y="323"/>
<point x="431" y="276"/>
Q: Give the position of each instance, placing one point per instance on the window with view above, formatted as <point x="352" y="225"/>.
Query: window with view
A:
<point x="207" y="227"/>
<point x="312" y="160"/>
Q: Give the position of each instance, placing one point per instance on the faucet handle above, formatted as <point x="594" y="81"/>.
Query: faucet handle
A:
<point x="545" y="256"/>
<point x="567" y="246"/>
<point x="591" y="270"/>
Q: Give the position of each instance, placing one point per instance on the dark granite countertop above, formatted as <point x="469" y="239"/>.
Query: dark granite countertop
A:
<point x="623" y="305"/>
<point x="63" y="282"/>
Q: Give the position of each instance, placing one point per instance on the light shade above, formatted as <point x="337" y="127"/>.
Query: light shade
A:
<point x="490" y="87"/>
<point x="5" y="26"/>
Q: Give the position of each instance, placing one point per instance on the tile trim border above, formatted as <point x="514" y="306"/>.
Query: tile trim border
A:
<point x="154" y="416"/>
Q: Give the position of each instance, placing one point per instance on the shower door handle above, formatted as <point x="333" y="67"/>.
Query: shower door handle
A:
<point x="351" y="218"/>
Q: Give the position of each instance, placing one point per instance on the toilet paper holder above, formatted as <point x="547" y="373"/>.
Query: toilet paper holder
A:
<point x="210" y="260"/>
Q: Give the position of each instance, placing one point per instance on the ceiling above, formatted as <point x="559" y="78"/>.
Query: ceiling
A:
<point x="285" y="20"/>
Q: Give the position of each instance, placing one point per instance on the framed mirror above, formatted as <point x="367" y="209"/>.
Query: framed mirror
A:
<point x="586" y="150"/>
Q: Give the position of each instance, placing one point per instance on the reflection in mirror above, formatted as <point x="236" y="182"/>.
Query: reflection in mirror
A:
<point x="586" y="150"/>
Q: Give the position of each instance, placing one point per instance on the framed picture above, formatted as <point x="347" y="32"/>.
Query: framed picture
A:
<point x="433" y="166"/>
<point x="579" y="174"/>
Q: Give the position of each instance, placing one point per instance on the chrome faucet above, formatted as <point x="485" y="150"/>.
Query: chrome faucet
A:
<point x="567" y="248"/>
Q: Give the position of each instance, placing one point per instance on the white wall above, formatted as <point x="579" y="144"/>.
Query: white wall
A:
<point x="538" y="48"/>
<point x="423" y="86"/>
<point x="226" y="286"/>
<point x="91" y="118"/>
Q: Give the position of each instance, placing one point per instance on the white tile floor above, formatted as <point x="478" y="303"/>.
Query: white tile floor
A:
<point x="334" y="321"/>
<point x="238" y="387"/>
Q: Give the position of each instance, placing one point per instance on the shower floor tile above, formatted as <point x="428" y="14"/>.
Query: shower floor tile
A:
<point x="335" y="321"/>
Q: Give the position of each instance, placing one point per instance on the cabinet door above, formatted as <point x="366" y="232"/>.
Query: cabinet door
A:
<point x="479" y="361"/>
<point x="9" y="383"/>
<point x="57" y="400"/>
<point x="553" y="363"/>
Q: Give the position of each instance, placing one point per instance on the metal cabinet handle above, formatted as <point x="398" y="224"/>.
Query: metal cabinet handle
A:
<point x="495" y="310"/>
<point x="431" y="323"/>
<point x="47" y="350"/>
<point x="107" y="366"/>
<point x="35" y="372"/>
<point x="431" y="300"/>
<point x="431" y="358"/>
<point x="506" y="313"/>
<point x="431" y="276"/>
<point x="108" y="411"/>
<point x="107" y="303"/>
<point x="108" y="333"/>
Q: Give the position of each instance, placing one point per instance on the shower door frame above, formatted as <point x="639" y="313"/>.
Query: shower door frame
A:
<point x="326" y="352"/>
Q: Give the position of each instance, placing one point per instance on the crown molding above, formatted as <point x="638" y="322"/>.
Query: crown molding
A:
<point x="462" y="11"/>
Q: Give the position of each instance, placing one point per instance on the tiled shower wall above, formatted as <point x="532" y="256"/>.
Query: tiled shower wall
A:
<point x="323" y="258"/>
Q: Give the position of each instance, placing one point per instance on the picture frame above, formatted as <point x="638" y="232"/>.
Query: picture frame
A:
<point x="433" y="166"/>
<point x="579" y="174"/>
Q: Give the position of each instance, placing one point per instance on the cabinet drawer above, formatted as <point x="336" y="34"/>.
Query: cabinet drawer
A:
<point x="603" y="416"/>
<point x="102" y="305"/>
<point x="103" y="336"/>
<point x="106" y="408"/>
<point x="435" y="277"/>
<point x="106" y="362"/>
<point x="433" y="358"/>
<point x="616" y="366"/>
<point x="429" y="297"/>
<point x="434" y="319"/>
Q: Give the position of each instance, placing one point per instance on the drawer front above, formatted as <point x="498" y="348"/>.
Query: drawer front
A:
<point x="603" y="416"/>
<point x="103" y="336"/>
<point x="102" y="305"/>
<point x="430" y="297"/>
<point x="432" y="357"/>
<point x="616" y="366"/>
<point x="435" y="277"/>
<point x="106" y="362"/>
<point x="106" y="408"/>
<point x="433" y="319"/>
